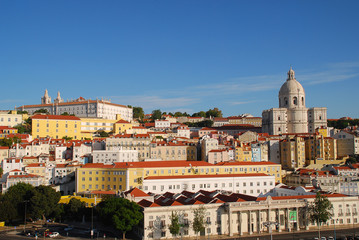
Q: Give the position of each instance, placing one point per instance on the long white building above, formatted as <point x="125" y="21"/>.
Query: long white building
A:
<point x="112" y="156"/>
<point x="81" y="108"/>
<point x="253" y="184"/>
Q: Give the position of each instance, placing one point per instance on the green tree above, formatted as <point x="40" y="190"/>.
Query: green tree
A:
<point x="121" y="213"/>
<point x="12" y="204"/>
<point x="198" y="224"/>
<point x="138" y="112"/>
<point x="67" y="138"/>
<point x="22" y="112"/>
<point x="174" y="227"/>
<point x="8" y="142"/>
<point x="67" y="114"/>
<point x="156" y="114"/>
<point x="215" y="112"/>
<point x="320" y="210"/>
<point x="103" y="134"/>
<point x="75" y="209"/>
<point x="44" y="202"/>
<point x="199" y="114"/>
<point x="42" y="110"/>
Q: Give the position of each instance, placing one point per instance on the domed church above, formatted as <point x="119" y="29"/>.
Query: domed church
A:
<point x="292" y="116"/>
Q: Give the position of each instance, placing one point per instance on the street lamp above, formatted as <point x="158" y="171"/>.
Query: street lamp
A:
<point x="269" y="225"/>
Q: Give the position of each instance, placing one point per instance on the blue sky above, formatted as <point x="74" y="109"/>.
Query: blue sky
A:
<point x="181" y="55"/>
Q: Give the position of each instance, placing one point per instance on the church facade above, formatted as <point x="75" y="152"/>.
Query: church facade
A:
<point x="293" y="116"/>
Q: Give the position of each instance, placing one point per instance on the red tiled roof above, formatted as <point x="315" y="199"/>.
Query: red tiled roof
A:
<point x="146" y="203"/>
<point x="123" y="121"/>
<point x="135" y="192"/>
<point x="245" y="163"/>
<point x="24" y="176"/>
<point x="301" y="196"/>
<point x="207" y="176"/>
<point x="73" y="103"/>
<point x="55" y="117"/>
<point x="151" y="164"/>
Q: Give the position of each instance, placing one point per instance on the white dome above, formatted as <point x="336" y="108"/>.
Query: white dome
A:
<point x="291" y="94"/>
<point x="291" y="86"/>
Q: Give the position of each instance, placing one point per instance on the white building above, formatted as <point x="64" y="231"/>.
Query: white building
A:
<point x="81" y="108"/>
<point x="16" y="176"/>
<point x="292" y="116"/>
<point x="232" y="214"/>
<point x="10" y="164"/>
<point x="109" y="157"/>
<point x="251" y="184"/>
<point x="162" y="124"/>
<point x="10" y="120"/>
<point x="208" y="144"/>
<point x="183" y="131"/>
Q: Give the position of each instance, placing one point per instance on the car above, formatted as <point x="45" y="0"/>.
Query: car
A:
<point x="330" y="238"/>
<point x="54" y="234"/>
<point x="323" y="238"/>
<point x="68" y="228"/>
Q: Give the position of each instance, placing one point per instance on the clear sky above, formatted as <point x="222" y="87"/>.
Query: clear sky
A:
<point x="181" y="55"/>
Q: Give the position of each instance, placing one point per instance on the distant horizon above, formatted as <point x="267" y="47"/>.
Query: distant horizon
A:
<point x="181" y="56"/>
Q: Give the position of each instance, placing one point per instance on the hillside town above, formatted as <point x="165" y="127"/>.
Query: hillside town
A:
<point x="242" y="171"/>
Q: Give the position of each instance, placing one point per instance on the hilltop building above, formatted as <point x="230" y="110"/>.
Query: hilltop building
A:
<point x="81" y="108"/>
<point x="292" y="116"/>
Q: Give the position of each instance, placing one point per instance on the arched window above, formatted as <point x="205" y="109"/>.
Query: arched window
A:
<point x="303" y="101"/>
<point x="285" y="101"/>
<point x="295" y="100"/>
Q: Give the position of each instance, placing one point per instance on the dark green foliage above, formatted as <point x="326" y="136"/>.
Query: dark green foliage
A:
<point x="75" y="209"/>
<point x="67" y="114"/>
<point x="343" y="123"/>
<point x="174" y="227"/>
<point x="22" y="112"/>
<point x="320" y="210"/>
<point x="198" y="224"/>
<point x="205" y="123"/>
<point x="102" y="133"/>
<point x="67" y="138"/>
<point x="12" y="203"/>
<point x="121" y="213"/>
<point x="42" y="110"/>
<point x="44" y="202"/>
<point x="156" y="114"/>
<point x="215" y="112"/>
<point x="8" y="142"/>
<point x="199" y="114"/>
<point x="138" y="113"/>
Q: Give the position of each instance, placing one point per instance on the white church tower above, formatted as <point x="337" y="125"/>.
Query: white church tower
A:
<point x="46" y="99"/>
<point x="58" y="99"/>
<point x="292" y="116"/>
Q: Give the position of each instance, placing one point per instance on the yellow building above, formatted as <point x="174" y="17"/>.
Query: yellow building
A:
<point x="322" y="131"/>
<point x="89" y="126"/>
<point x="11" y="119"/>
<point x="292" y="152"/>
<point x="124" y="176"/>
<point x="173" y="150"/>
<point x="91" y="201"/>
<point x="56" y="126"/>
<point x="319" y="148"/>
<point x="243" y="153"/>
<point x="122" y="126"/>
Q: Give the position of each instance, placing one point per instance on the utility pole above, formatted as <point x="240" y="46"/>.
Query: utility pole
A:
<point x="26" y="201"/>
